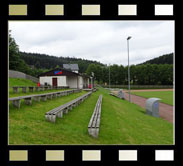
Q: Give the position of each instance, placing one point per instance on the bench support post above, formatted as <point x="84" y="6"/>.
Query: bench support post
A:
<point x="66" y="111"/>
<point x="16" y="103"/>
<point x="31" y="89"/>
<point x="28" y="101"/>
<point x="60" y="114"/>
<point x="43" y="98"/>
<point x="24" y="89"/>
<point x="53" y="118"/>
<point x="49" y="96"/>
<point x="37" y="98"/>
<point x="15" y="89"/>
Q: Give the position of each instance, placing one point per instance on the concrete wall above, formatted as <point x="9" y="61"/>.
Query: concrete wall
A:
<point x="17" y="74"/>
<point x="61" y="80"/>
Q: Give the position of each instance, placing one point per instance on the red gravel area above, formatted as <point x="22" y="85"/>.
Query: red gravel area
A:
<point x="165" y="110"/>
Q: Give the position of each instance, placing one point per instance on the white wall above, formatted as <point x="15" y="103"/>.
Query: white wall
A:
<point x="81" y="82"/>
<point x="61" y="80"/>
<point x="44" y="80"/>
<point x="72" y="81"/>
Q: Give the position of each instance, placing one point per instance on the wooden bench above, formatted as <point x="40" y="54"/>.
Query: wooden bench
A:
<point x="120" y="95"/>
<point x="94" y="124"/>
<point x="63" y="109"/>
<point x="16" y="101"/>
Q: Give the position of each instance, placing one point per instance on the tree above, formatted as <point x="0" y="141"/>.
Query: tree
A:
<point x="15" y="61"/>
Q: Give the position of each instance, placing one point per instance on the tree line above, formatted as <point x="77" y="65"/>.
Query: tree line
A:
<point x="44" y="61"/>
<point x="145" y="74"/>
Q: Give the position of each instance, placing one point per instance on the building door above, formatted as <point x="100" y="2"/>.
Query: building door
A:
<point x="54" y="81"/>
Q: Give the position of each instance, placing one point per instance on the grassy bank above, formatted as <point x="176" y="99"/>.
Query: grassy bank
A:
<point x="20" y="82"/>
<point x="121" y="123"/>
<point x="25" y="82"/>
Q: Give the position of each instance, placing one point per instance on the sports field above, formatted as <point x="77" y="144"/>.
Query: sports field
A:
<point x="121" y="123"/>
<point x="165" y="96"/>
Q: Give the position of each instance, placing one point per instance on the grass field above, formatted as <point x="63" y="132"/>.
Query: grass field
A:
<point x="165" y="96"/>
<point x="121" y="123"/>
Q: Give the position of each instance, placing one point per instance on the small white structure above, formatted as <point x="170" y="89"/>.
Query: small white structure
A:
<point x="64" y="78"/>
<point x="152" y="107"/>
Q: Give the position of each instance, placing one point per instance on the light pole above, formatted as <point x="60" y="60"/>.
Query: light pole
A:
<point x="92" y="80"/>
<point x="109" y="77"/>
<point x="129" y="37"/>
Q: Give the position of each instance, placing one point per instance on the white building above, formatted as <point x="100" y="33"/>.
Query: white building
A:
<point x="64" y="78"/>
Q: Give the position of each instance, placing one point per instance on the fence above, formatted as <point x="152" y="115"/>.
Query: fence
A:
<point x="140" y="86"/>
<point x="17" y="74"/>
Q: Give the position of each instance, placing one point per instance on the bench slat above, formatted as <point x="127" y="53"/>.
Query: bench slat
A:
<point x="66" y="106"/>
<point x="93" y="126"/>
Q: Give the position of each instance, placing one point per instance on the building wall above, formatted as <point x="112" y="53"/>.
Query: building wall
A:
<point x="83" y="82"/>
<point x="86" y="82"/>
<point x="61" y="80"/>
<point x="72" y="81"/>
<point x="80" y="81"/>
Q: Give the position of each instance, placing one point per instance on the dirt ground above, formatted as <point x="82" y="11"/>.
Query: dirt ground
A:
<point x="166" y="111"/>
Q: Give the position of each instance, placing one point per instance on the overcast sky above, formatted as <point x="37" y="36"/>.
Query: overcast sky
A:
<point x="104" y="41"/>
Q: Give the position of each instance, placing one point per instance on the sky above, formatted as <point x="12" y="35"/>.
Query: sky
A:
<point x="103" y="41"/>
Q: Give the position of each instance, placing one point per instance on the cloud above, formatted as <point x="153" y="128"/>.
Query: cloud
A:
<point x="104" y="41"/>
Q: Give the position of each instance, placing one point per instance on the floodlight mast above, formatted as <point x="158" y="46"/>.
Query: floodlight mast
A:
<point x="129" y="94"/>
<point x="109" y="77"/>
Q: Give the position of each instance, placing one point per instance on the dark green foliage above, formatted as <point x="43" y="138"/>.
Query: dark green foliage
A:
<point x="50" y="62"/>
<point x="164" y="59"/>
<point x="146" y="74"/>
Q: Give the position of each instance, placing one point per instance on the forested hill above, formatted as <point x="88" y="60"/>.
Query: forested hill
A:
<point x="44" y="61"/>
<point x="164" y="59"/>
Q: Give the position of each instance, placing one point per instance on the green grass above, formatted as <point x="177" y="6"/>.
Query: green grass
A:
<point x="20" y="82"/>
<point x="165" y="96"/>
<point x="121" y="123"/>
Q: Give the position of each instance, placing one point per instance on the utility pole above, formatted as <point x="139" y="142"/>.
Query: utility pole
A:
<point x="128" y="69"/>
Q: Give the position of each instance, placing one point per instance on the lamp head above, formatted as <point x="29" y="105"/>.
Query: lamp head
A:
<point x="129" y="37"/>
